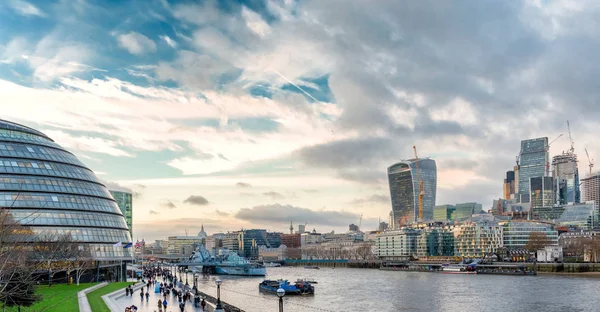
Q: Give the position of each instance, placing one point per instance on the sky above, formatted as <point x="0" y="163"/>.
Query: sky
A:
<point x="252" y="114"/>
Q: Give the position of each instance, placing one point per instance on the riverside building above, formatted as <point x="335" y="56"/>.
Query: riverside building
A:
<point x="51" y="193"/>
<point x="516" y="234"/>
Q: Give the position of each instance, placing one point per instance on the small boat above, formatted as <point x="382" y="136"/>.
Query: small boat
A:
<point x="271" y="265"/>
<point x="298" y="288"/>
<point x="458" y="269"/>
<point x="312" y="267"/>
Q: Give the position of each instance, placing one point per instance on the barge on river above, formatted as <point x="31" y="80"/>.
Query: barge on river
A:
<point x="461" y="268"/>
<point x="298" y="288"/>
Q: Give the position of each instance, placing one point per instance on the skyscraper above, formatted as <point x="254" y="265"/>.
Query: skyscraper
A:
<point x="566" y="178"/>
<point x="404" y="189"/>
<point x="509" y="184"/>
<point x="533" y="161"/>
<point x="124" y="201"/>
<point x="541" y="190"/>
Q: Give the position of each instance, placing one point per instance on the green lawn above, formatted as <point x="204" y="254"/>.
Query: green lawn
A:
<point x="59" y="298"/>
<point x="95" y="297"/>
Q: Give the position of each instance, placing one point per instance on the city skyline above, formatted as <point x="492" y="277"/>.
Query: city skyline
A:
<point x="252" y="115"/>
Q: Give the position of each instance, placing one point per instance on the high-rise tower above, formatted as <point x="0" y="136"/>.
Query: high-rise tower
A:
<point x="566" y="178"/>
<point x="533" y="161"/>
<point x="404" y="190"/>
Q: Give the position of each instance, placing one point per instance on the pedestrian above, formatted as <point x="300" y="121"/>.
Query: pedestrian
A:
<point x="159" y="305"/>
<point x="165" y="304"/>
<point x="203" y="304"/>
<point x="130" y="291"/>
<point x="182" y="306"/>
<point x="126" y="291"/>
<point x="142" y="294"/>
<point x="147" y="296"/>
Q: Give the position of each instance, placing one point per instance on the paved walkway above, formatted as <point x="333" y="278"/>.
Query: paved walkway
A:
<point x="84" y="305"/>
<point x="152" y="304"/>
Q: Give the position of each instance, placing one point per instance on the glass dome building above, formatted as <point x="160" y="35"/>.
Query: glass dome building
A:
<point x="49" y="191"/>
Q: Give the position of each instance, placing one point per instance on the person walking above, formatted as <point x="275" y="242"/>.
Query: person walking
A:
<point x="203" y="304"/>
<point x="127" y="291"/>
<point x="159" y="305"/>
<point x="142" y="294"/>
<point x="165" y="304"/>
<point x="182" y="306"/>
<point x="147" y="296"/>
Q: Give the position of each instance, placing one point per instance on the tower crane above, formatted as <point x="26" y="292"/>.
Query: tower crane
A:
<point x="572" y="149"/>
<point x="590" y="161"/>
<point x="421" y="191"/>
<point x="547" y="149"/>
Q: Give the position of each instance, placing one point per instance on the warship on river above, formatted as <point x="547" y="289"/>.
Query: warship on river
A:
<point x="228" y="264"/>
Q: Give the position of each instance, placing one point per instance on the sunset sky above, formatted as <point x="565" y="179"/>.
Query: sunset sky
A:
<point x="252" y="114"/>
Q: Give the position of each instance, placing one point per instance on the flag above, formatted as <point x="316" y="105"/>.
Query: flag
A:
<point x="138" y="245"/>
<point x="119" y="244"/>
<point x="128" y="245"/>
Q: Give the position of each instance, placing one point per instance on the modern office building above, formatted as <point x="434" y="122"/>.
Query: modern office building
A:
<point x="541" y="191"/>
<point x="509" y="185"/>
<point x="404" y="190"/>
<point x="301" y="228"/>
<point x="566" y="178"/>
<point x="582" y="216"/>
<point x="591" y="188"/>
<point x="533" y="163"/>
<point x="476" y="239"/>
<point x="50" y="192"/>
<point x="183" y="245"/>
<point x="250" y="240"/>
<point x="124" y="201"/>
<point x="516" y="234"/>
<point x="443" y="212"/>
<point x="464" y="211"/>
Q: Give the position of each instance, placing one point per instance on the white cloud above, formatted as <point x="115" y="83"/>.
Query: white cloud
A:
<point x="255" y="22"/>
<point x="136" y="43"/>
<point x="25" y="8"/>
<point x="169" y="41"/>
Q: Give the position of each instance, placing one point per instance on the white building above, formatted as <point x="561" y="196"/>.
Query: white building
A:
<point x="550" y="254"/>
<point x="310" y="238"/>
<point x="400" y="244"/>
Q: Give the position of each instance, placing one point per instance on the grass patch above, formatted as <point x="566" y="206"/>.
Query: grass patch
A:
<point x="58" y="298"/>
<point x="95" y="297"/>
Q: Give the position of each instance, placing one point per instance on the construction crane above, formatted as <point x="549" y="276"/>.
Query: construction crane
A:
<point x="572" y="149"/>
<point x="590" y="161"/>
<point x="547" y="149"/>
<point x="421" y="191"/>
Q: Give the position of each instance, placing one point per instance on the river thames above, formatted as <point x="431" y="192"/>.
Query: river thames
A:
<point x="343" y="289"/>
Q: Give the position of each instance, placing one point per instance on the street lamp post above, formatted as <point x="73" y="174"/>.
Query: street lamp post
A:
<point x="280" y="294"/>
<point x="218" y="308"/>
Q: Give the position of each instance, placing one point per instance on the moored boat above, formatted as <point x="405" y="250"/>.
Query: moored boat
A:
<point x="312" y="267"/>
<point x="458" y="269"/>
<point x="298" y="288"/>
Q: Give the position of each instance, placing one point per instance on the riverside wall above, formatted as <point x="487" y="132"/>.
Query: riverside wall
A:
<point x="566" y="267"/>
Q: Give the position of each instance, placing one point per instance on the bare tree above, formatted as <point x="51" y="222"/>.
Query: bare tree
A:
<point x="537" y="241"/>
<point x="364" y="251"/>
<point x="17" y="280"/>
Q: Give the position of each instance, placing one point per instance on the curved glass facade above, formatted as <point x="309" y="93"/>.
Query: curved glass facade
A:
<point x="47" y="189"/>
<point x="404" y="190"/>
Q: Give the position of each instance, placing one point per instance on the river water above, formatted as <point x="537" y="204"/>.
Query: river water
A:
<point x="343" y="289"/>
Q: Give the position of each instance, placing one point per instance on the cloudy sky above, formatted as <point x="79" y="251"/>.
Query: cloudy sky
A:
<point x="254" y="113"/>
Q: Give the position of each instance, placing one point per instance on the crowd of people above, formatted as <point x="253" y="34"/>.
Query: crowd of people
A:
<point x="169" y="287"/>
